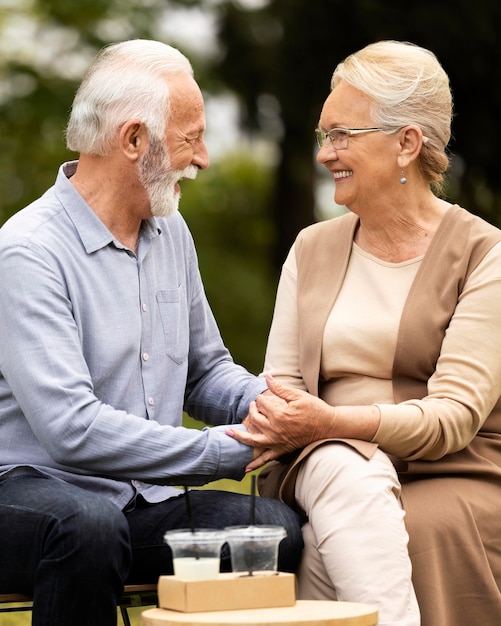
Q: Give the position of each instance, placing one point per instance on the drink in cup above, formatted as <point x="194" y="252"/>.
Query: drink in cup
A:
<point x="254" y="548"/>
<point x="196" y="554"/>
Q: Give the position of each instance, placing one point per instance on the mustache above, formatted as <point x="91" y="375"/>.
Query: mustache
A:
<point x="189" y="172"/>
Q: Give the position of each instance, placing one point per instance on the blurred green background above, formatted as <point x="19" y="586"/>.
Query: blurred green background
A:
<point x="265" y="69"/>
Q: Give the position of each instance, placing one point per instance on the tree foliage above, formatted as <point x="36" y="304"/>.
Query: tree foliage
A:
<point x="279" y="59"/>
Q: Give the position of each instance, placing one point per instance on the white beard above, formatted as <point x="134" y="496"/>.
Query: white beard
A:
<point x="159" y="180"/>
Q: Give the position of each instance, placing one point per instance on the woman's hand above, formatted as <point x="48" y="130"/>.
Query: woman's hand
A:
<point x="282" y="421"/>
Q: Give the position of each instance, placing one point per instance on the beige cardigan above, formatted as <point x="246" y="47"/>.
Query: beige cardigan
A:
<point x="322" y="256"/>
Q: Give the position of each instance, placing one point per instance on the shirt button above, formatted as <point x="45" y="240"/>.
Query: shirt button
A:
<point x="146" y="356"/>
<point x="136" y="483"/>
<point x="144" y="306"/>
<point x="151" y="401"/>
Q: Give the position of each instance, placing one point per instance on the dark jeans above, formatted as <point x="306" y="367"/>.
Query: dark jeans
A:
<point x="74" y="550"/>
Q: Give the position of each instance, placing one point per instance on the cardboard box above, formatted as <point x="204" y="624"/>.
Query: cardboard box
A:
<point x="227" y="592"/>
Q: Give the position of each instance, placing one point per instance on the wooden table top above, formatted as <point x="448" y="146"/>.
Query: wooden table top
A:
<point x="304" y="612"/>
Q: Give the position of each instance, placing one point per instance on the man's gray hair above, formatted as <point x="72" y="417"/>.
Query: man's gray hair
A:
<point x="127" y="80"/>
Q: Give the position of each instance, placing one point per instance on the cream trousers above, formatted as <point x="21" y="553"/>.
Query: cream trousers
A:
<point x="355" y="538"/>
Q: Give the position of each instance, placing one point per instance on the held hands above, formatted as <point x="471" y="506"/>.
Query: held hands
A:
<point x="282" y="421"/>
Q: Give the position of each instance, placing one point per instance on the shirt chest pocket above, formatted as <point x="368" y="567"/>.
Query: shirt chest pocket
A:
<point x="173" y="312"/>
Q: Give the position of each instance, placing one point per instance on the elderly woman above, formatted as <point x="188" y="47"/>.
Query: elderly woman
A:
<point x="385" y="359"/>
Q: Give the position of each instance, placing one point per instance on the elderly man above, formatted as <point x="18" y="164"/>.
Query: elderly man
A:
<point x="105" y="337"/>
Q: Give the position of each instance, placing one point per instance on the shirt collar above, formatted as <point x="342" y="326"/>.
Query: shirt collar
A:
<point x="93" y="233"/>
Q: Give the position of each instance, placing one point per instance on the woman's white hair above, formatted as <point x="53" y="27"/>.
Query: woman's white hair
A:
<point x="408" y="86"/>
<point x="126" y="81"/>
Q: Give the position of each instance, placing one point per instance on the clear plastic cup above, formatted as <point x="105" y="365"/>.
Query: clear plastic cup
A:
<point x="196" y="555"/>
<point x="254" y="549"/>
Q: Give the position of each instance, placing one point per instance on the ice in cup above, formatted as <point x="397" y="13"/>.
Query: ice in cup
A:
<point x="254" y="549"/>
<point x="196" y="555"/>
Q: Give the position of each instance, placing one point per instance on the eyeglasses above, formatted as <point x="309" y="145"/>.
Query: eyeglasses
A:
<point x="339" y="136"/>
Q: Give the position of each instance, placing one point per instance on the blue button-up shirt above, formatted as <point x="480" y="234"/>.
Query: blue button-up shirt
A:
<point x="101" y="350"/>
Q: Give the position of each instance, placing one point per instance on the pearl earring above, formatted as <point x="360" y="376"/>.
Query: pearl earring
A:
<point x="403" y="180"/>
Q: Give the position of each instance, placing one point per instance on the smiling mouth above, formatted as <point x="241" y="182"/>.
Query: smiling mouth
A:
<point x="342" y="174"/>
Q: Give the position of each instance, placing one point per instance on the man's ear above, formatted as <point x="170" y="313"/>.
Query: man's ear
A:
<point x="133" y="139"/>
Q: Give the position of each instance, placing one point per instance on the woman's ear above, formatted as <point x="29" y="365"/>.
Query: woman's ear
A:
<point x="410" y="142"/>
